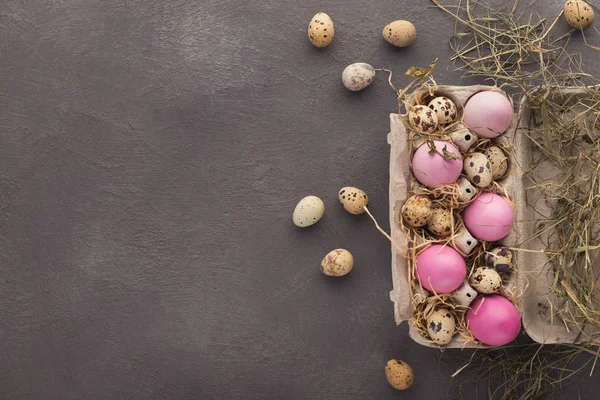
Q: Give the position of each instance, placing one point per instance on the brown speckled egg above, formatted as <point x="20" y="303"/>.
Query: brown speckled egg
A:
<point x="358" y="76"/>
<point x="499" y="259"/>
<point x="321" y="30"/>
<point x="444" y="108"/>
<point x="353" y="199"/>
<point x="486" y="280"/>
<point x="399" y="374"/>
<point x="498" y="160"/>
<point x="478" y="169"/>
<point x="400" y="33"/>
<point x="441" y="222"/>
<point x="441" y="326"/>
<point x="417" y="211"/>
<point x="579" y="14"/>
<point x="423" y="119"/>
<point x="338" y="262"/>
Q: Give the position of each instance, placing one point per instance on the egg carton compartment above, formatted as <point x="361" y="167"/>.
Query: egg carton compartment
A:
<point x="539" y="302"/>
<point x="401" y="179"/>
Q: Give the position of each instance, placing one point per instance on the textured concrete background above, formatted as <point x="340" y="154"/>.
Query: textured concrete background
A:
<point x="151" y="154"/>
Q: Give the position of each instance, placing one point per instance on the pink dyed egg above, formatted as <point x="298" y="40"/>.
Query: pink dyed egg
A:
<point x="441" y="269"/>
<point x="488" y="114"/>
<point x="489" y="217"/>
<point x="434" y="170"/>
<point x="493" y="320"/>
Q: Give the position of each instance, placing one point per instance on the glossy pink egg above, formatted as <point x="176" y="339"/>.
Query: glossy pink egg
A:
<point x="434" y="170"/>
<point x="489" y="217"/>
<point x="441" y="269"/>
<point x="488" y="114"/>
<point x="493" y="320"/>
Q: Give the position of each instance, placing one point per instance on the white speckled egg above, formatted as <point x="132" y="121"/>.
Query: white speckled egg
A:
<point x="498" y="160"/>
<point x="422" y="119"/>
<point x="400" y="33"/>
<point x="321" y="30"/>
<point x="579" y="14"/>
<point x="358" y="76"/>
<point x="464" y="295"/>
<point x="463" y="139"/>
<point x="478" y="169"/>
<point x="486" y="280"/>
<point x="417" y="211"/>
<point x="308" y="211"/>
<point x="464" y="241"/>
<point x="338" y="262"/>
<point x="441" y="326"/>
<point x="353" y="199"/>
<point x="441" y="222"/>
<point x="444" y="108"/>
<point x="466" y="190"/>
<point x="499" y="259"/>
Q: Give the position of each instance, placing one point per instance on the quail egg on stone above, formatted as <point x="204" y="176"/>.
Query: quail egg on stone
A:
<point x="466" y="190"/>
<point x="400" y="33"/>
<point x="308" y="211"/>
<point x="463" y="139"/>
<point x="354" y="200"/>
<point x="358" y="76"/>
<point x="441" y="326"/>
<point x="498" y="160"/>
<point x="417" y="211"/>
<point x="444" y="108"/>
<point x="399" y="374"/>
<point x="579" y="14"/>
<point x="486" y="280"/>
<point x="478" y="169"/>
<point x="441" y="221"/>
<point x="499" y="259"/>
<point x="423" y="119"/>
<point x="338" y="262"/>
<point x="321" y="30"/>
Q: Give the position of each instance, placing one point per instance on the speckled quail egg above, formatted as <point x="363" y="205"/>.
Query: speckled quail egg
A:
<point x="423" y="119"/>
<point x="441" y="326"/>
<point x="498" y="160"/>
<point x="499" y="259"/>
<point x="358" y="76"/>
<point x="444" y="109"/>
<point x="353" y="199"/>
<point x="308" y="211"/>
<point x="464" y="241"/>
<point x="400" y="33"/>
<point x="338" y="262"/>
<point x="478" y="169"/>
<point x="399" y="374"/>
<point x="321" y="30"/>
<point x="485" y="280"/>
<point x="441" y="221"/>
<point x="464" y="295"/>
<point x="463" y="139"/>
<point x="466" y="190"/>
<point x="579" y="14"/>
<point x="417" y="211"/>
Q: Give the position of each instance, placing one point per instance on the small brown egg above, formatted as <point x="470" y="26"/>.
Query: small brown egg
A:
<point x="417" y="211"/>
<point x="441" y="326"/>
<point x="321" y="30"/>
<point x="423" y="119"/>
<point x="579" y="14"/>
<point x="354" y="200"/>
<point x="338" y="262"/>
<point x="444" y="108"/>
<point x="399" y="374"/>
<point x="486" y="280"/>
<point x="441" y="222"/>
<point x="400" y="33"/>
<point x="498" y="160"/>
<point x="478" y="169"/>
<point x="499" y="259"/>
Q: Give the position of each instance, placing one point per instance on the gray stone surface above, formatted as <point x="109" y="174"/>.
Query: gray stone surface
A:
<point x="151" y="155"/>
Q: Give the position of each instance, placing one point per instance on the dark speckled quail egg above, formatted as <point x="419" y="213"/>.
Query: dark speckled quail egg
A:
<point x="399" y="374"/>
<point x="353" y="199"/>
<point x="441" y="221"/>
<point x="417" y="211"/>
<point x="478" y="169"/>
<point x="358" y="76"/>
<point x="423" y="119"/>
<point x="498" y="160"/>
<point x="499" y="259"/>
<point x="321" y="30"/>
<point x="441" y="326"/>
<point x="486" y="280"/>
<point x="444" y="109"/>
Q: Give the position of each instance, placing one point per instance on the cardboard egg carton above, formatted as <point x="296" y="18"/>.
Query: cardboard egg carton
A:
<point x="400" y="183"/>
